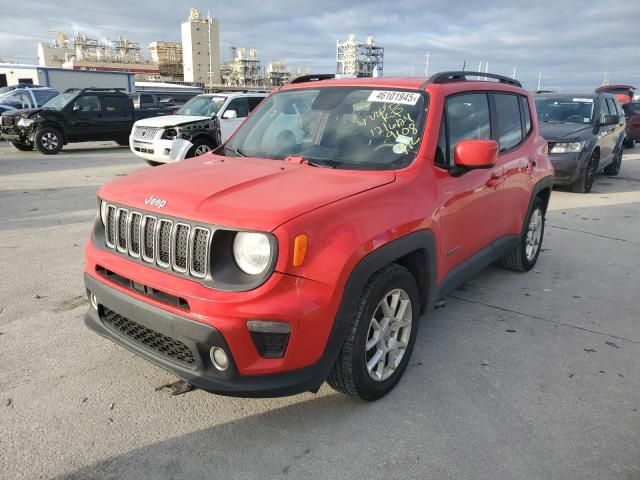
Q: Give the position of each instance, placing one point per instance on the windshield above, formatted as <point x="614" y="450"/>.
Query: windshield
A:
<point x="202" y="106"/>
<point x="339" y="127"/>
<point x="565" y="109"/>
<point x="61" y="101"/>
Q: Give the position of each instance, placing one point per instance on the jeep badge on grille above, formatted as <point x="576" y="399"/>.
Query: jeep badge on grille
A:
<point x="155" y="201"/>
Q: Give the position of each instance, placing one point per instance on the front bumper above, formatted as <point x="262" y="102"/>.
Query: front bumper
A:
<point x="15" y="134"/>
<point x="568" y="166"/>
<point x="160" y="150"/>
<point x="198" y="338"/>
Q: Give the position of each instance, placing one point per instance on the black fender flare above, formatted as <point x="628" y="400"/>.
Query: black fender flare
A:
<point x="543" y="184"/>
<point x="51" y="124"/>
<point x="206" y="135"/>
<point x="422" y="240"/>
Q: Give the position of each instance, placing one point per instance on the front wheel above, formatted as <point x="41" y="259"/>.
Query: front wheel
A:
<point x="23" y="147"/>
<point x="614" y="167"/>
<point x="525" y="255"/>
<point x="628" y="143"/>
<point x="200" y="147"/>
<point x="381" y="337"/>
<point x="584" y="182"/>
<point x="48" y="141"/>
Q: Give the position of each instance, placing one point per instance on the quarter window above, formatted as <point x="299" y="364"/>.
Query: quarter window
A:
<point x="508" y="121"/>
<point x="467" y="118"/>
<point x="526" y="113"/>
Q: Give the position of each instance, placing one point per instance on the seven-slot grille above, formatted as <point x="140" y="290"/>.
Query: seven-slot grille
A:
<point x="170" y="245"/>
<point x="146" y="133"/>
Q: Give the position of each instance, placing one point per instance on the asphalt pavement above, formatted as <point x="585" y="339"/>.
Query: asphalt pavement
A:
<point x="518" y="376"/>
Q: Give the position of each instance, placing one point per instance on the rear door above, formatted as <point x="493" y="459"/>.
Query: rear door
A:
<point x="240" y="106"/>
<point x="470" y="212"/>
<point x="512" y="124"/>
<point x="117" y="116"/>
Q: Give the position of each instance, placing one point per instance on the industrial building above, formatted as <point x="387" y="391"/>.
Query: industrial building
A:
<point x="244" y="70"/>
<point x="201" y="49"/>
<point x="277" y="74"/>
<point x="168" y="57"/>
<point x="357" y="59"/>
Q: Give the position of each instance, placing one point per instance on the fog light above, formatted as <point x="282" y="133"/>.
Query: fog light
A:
<point x="219" y="358"/>
<point x="94" y="300"/>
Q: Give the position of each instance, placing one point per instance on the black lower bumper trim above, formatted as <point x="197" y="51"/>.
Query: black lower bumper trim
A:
<point x="199" y="338"/>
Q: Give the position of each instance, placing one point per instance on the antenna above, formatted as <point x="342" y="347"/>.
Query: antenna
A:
<point x="464" y="65"/>
<point x="540" y="81"/>
<point x="426" y="71"/>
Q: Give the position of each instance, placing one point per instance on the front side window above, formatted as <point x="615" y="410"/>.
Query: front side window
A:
<point x="565" y="109"/>
<point x="87" y="103"/>
<point x="339" y="127"/>
<point x="508" y="120"/>
<point x="202" y="106"/>
<point x="467" y="118"/>
<point x="240" y="106"/>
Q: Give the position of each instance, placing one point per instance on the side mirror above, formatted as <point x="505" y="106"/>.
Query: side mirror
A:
<point x="230" y="114"/>
<point x="609" y="120"/>
<point x="76" y="108"/>
<point x="473" y="154"/>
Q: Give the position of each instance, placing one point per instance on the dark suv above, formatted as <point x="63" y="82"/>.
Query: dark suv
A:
<point x="585" y="133"/>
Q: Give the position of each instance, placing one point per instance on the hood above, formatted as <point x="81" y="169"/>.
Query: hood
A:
<point x="24" y="113"/>
<point x="563" y="130"/>
<point x="169" y="120"/>
<point x="238" y="192"/>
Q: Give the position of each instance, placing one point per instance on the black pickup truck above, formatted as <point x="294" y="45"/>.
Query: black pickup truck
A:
<point x="77" y="115"/>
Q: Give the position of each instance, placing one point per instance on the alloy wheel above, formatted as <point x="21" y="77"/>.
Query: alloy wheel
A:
<point x="201" y="150"/>
<point x="50" y="141"/>
<point x="388" y="334"/>
<point x="534" y="234"/>
<point x="591" y="173"/>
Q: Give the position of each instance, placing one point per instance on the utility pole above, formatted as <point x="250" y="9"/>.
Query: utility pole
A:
<point x="514" y="72"/>
<point x="540" y="81"/>
<point x="210" y="49"/>
<point x="486" y="69"/>
<point x="426" y="71"/>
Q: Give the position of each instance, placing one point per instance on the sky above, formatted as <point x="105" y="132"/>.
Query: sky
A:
<point x="571" y="43"/>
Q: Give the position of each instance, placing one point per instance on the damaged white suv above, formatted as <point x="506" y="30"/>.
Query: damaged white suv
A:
<point x="199" y="126"/>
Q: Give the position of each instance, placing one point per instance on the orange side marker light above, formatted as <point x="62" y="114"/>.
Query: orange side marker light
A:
<point x="299" y="249"/>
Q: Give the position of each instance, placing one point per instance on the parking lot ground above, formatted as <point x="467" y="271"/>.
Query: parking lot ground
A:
<point x="519" y="376"/>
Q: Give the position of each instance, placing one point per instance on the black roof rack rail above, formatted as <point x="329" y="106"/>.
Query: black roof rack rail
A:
<point x="95" y="89"/>
<point x="461" y="76"/>
<point x="313" y="78"/>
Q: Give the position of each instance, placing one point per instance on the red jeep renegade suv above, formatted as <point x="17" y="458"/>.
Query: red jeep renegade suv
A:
<point x="308" y="246"/>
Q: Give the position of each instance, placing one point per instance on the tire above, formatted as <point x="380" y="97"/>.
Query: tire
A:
<point x="525" y="255"/>
<point x="584" y="182"/>
<point x="152" y="163"/>
<point x="48" y="141"/>
<point x="628" y="143"/>
<point x="200" y="147"/>
<point x="23" y="147"/>
<point x="350" y="374"/>
<point x="614" y="167"/>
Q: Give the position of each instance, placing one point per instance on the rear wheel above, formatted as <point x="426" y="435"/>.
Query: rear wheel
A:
<point x="381" y="338"/>
<point x="200" y="147"/>
<point x="628" y="143"/>
<point x="525" y="255"/>
<point x="23" y="147"/>
<point x="584" y="182"/>
<point x="614" y="167"/>
<point x="48" y="141"/>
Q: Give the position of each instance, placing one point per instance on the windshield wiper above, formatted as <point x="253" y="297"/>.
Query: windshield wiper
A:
<point x="318" y="164"/>
<point x="234" y="150"/>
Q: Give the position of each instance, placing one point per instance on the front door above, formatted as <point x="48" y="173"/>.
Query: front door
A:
<point x="229" y="125"/>
<point x="85" y="116"/>
<point x="470" y="213"/>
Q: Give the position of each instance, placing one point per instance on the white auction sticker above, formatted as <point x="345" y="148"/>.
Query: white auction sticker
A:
<point x="587" y="100"/>
<point x="390" y="96"/>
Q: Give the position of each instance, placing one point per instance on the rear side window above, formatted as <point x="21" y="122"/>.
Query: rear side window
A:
<point x="612" y="107"/>
<point x="467" y="118"/>
<point x="254" y="102"/>
<point x="113" y="104"/>
<point x="526" y="113"/>
<point x="508" y="121"/>
<point x="146" y="99"/>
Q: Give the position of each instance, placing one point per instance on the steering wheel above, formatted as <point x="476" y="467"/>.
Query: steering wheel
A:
<point x="580" y="119"/>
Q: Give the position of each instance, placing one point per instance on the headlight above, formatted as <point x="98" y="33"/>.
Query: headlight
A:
<point x="103" y="212"/>
<point x="252" y="252"/>
<point x="170" y="133"/>
<point x="571" y="147"/>
<point x="25" y="122"/>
